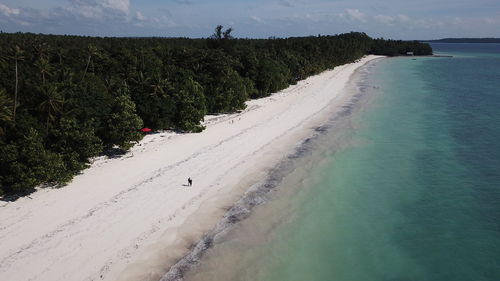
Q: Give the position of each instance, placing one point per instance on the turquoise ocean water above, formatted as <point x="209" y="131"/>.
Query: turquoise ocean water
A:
<point x="404" y="185"/>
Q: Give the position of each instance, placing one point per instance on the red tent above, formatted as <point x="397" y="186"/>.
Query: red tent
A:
<point x="146" y="130"/>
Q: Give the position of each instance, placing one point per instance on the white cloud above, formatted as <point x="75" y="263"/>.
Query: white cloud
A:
<point x="312" y="17"/>
<point x="355" y="14"/>
<point x="89" y="11"/>
<point x="384" y="19"/>
<point x="491" y="20"/>
<point x="184" y="2"/>
<point x="140" y="16"/>
<point x="289" y="3"/>
<point x="8" y="11"/>
<point x="164" y="21"/>
<point x="391" y="20"/>
<point x="256" y="19"/>
<point x="100" y="9"/>
<point x="457" y="21"/>
<point x="404" y="18"/>
<point x="119" y="5"/>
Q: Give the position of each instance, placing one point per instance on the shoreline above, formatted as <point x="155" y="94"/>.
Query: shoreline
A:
<point x="266" y="189"/>
<point x="130" y="217"/>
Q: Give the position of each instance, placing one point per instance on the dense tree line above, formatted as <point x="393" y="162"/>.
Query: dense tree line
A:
<point x="66" y="99"/>
<point x="398" y="47"/>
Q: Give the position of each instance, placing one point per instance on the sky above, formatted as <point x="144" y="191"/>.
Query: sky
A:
<point x="395" y="19"/>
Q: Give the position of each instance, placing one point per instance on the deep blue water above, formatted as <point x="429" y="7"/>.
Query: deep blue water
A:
<point x="411" y="191"/>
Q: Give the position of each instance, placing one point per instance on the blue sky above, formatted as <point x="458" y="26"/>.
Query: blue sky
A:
<point x="398" y="19"/>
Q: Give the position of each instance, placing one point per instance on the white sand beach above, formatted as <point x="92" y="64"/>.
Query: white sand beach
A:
<point x="129" y="218"/>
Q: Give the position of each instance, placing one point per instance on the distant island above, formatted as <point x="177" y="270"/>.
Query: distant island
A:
<point x="465" y="40"/>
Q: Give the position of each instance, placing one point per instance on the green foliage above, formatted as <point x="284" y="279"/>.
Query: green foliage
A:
<point x="77" y="143"/>
<point x="190" y="104"/>
<point x="272" y="77"/>
<point x="5" y="111"/>
<point x="157" y="107"/>
<point x="398" y="48"/>
<point x="51" y="104"/>
<point x="27" y="164"/>
<point x="66" y="99"/>
<point x="122" y="123"/>
<point x="225" y="89"/>
<point x="221" y="39"/>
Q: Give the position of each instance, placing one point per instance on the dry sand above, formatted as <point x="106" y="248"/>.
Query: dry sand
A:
<point x="129" y="218"/>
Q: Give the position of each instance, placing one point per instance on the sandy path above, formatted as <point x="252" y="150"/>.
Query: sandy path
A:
<point x="107" y="218"/>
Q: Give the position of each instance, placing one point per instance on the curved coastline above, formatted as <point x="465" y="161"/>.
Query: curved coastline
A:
<point x="117" y="219"/>
<point x="260" y="193"/>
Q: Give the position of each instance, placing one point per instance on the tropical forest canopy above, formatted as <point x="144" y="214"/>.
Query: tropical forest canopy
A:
<point x="66" y="99"/>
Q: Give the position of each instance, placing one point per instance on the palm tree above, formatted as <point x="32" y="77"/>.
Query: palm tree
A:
<point x="60" y="54"/>
<point x="158" y="86"/>
<point x="44" y="67"/>
<point x="15" y="54"/>
<point x="5" y="110"/>
<point x="42" y="50"/>
<point x="92" y="51"/>
<point x="141" y="80"/>
<point x="227" y="34"/>
<point x="217" y="33"/>
<point x="52" y="103"/>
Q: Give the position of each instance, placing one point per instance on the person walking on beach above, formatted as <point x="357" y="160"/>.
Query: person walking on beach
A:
<point x="190" y="182"/>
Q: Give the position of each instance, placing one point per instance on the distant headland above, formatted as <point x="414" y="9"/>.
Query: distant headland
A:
<point x="464" y="40"/>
